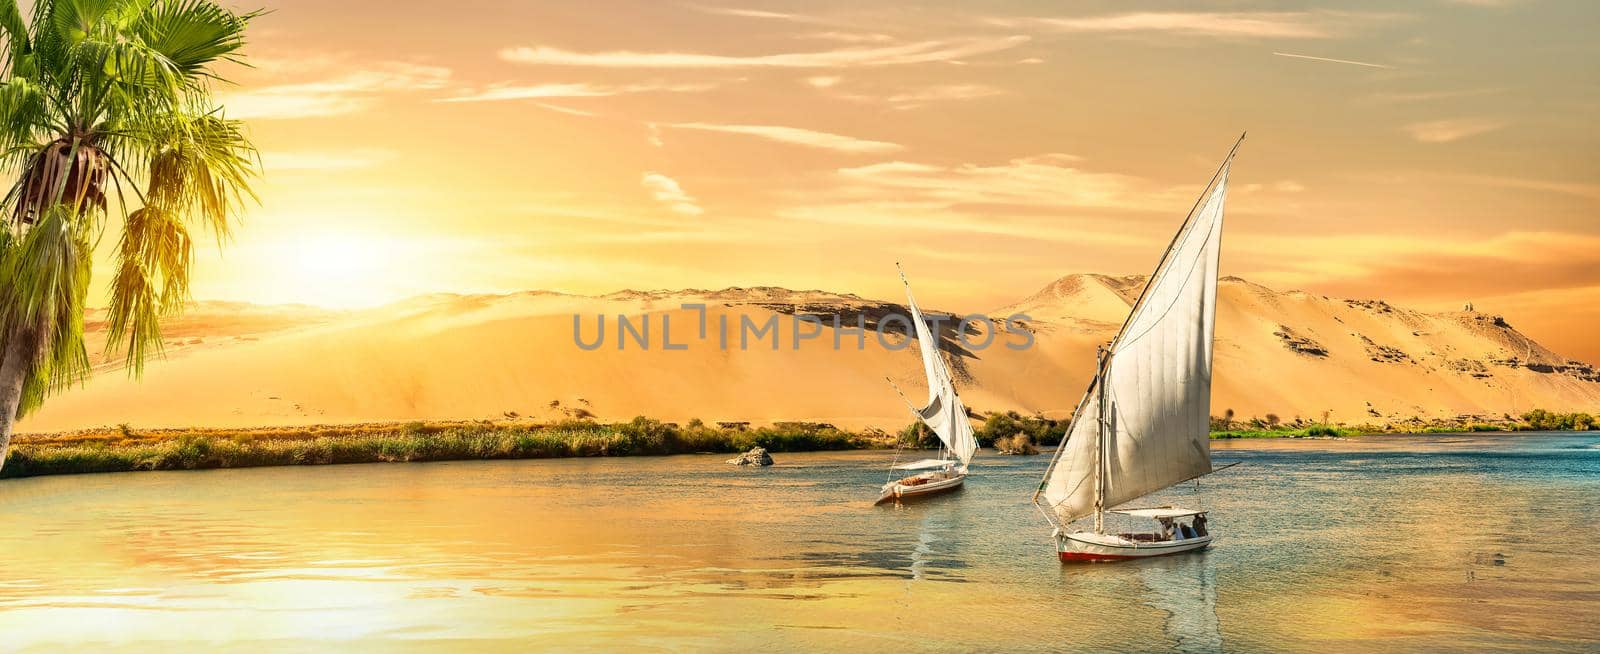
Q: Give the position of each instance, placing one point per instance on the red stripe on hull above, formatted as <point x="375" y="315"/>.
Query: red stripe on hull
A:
<point x="1069" y="557"/>
<point x="1074" y="557"/>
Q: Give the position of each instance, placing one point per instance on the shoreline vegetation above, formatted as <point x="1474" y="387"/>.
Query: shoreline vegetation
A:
<point x="123" y="449"/>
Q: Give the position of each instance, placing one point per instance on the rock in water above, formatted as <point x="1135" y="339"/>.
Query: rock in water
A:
<point x="755" y="457"/>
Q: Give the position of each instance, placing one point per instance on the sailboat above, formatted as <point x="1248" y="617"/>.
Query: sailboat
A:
<point x="1144" y="423"/>
<point x="943" y="413"/>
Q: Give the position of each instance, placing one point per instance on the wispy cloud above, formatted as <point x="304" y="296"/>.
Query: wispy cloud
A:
<point x="1050" y="180"/>
<point x="750" y="13"/>
<point x="897" y="216"/>
<point x="1455" y="129"/>
<point x="833" y="29"/>
<point x="333" y="96"/>
<point x="1406" y="97"/>
<point x="1575" y="189"/>
<point x="1048" y="197"/>
<point x="1260" y="25"/>
<point x="564" y="110"/>
<point x="500" y="92"/>
<point x="762" y="14"/>
<point x="901" y="54"/>
<point x="919" y="97"/>
<point x="902" y="98"/>
<point x="324" y="161"/>
<point x="667" y="191"/>
<point x="1332" y="60"/>
<point x="849" y="37"/>
<point x="798" y="136"/>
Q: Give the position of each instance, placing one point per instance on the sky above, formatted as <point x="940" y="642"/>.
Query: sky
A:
<point x="1430" y="153"/>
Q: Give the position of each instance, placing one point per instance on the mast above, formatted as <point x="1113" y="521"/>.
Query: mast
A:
<point x="1172" y="245"/>
<point x="943" y="411"/>
<point x="1100" y="451"/>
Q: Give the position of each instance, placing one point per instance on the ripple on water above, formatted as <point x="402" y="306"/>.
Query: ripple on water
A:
<point x="1394" y="544"/>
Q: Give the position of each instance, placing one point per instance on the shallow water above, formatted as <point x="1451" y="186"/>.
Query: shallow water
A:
<point x="1437" y="543"/>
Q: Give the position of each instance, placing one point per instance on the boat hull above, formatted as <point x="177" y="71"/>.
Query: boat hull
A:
<point x="897" y="491"/>
<point x="1085" y="547"/>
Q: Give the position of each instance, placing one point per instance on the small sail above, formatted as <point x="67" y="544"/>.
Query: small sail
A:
<point x="1156" y="388"/>
<point x="944" y="413"/>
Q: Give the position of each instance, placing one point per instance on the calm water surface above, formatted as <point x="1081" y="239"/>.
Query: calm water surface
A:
<point x="1440" y="543"/>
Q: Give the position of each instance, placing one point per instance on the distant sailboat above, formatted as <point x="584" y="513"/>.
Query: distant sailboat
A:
<point x="944" y="414"/>
<point x="1144" y="423"/>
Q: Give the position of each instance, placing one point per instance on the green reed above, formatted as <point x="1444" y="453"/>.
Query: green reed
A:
<point x="208" y="449"/>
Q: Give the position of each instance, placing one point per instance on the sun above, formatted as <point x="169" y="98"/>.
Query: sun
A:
<point x="337" y="258"/>
<point x="335" y="269"/>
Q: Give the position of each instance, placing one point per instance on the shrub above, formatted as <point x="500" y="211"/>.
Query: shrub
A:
<point x="646" y="436"/>
<point x="1018" y="444"/>
<point x="1038" y="429"/>
<point x="1000" y="426"/>
<point x="1542" y="420"/>
<point x="919" y="436"/>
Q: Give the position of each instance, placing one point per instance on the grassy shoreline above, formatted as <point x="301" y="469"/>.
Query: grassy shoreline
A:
<point x="126" y="450"/>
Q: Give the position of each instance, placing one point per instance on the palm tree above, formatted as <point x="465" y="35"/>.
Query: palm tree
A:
<point x="106" y="108"/>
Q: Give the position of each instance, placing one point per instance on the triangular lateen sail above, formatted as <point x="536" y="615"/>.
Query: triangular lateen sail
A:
<point x="944" y="413"/>
<point x="1156" y="385"/>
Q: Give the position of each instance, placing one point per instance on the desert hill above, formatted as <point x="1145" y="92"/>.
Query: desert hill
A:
<point x="444" y="356"/>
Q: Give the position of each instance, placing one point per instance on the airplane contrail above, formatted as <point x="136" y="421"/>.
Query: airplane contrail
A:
<point x="1337" y="61"/>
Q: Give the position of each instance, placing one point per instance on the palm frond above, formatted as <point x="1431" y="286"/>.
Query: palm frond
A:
<point x="23" y="114"/>
<point x="152" y="281"/>
<point x="201" y="165"/>
<point x="45" y="277"/>
<point x="192" y="34"/>
<point x="135" y="71"/>
<point x="18" y="43"/>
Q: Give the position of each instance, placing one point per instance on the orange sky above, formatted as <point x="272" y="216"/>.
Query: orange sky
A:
<point x="1430" y="155"/>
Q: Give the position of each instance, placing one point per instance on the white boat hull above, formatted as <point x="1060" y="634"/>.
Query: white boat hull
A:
<point x="1089" y="546"/>
<point x="897" y="490"/>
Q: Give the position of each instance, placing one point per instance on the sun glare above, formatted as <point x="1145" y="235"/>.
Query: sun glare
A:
<point x="335" y="269"/>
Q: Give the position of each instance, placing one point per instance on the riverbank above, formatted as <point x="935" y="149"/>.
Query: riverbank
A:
<point x="125" y="449"/>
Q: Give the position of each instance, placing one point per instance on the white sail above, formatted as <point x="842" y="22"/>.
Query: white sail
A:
<point x="944" y="413"/>
<point x="1155" y="390"/>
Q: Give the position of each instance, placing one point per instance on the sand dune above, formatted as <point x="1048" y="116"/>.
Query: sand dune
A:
<point x="492" y="356"/>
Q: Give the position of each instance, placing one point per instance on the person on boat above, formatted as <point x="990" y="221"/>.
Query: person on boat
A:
<point x="1167" y="528"/>
<point x="1200" y="525"/>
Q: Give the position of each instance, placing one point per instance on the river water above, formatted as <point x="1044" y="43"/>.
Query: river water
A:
<point x="1440" y="543"/>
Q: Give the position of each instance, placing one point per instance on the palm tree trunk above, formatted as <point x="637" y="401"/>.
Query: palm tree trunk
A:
<point x="19" y="350"/>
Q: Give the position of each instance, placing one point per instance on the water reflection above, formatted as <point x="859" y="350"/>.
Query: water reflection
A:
<point x="1185" y="588"/>
<point x="924" y="548"/>
<point x="1383" y="544"/>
